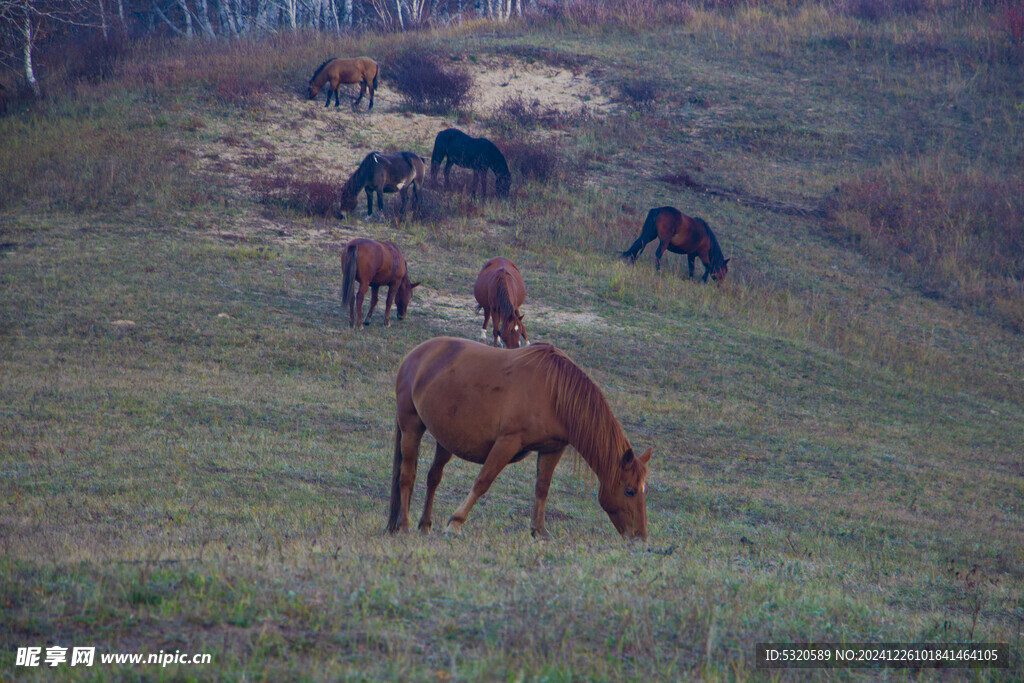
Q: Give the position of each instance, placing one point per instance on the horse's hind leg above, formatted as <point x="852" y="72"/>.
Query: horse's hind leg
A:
<point x="546" y="463"/>
<point x="411" y="428"/>
<point x="689" y="263"/>
<point x="362" y="91"/>
<point x="658" y="254"/>
<point x="441" y="458"/>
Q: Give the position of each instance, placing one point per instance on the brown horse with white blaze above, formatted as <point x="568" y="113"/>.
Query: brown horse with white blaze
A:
<point x="681" y="234"/>
<point x="500" y="291"/>
<point x="382" y="173"/>
<point x="335" y="71"/>
<point x="373" y="264"/>
<point x="494" y="407"/>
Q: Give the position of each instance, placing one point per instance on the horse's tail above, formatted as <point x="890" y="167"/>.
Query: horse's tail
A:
<point x="396" y="483"/>
<point x="348" y="275"/>
<point x="376" y="74"/>
<point x="647" y="234"/>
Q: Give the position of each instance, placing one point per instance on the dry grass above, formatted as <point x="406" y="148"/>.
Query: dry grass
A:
<point x="836" y="436"/>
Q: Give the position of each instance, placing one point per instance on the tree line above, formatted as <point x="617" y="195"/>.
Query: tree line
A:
<point x="24" y="24"/>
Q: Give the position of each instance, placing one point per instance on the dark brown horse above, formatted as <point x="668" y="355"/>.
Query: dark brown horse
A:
<point x="335" y="71"/>
<point x="494" y="407"/>
<point x="372" y="264"/>
<point x="681" y="234"/>
<point x="478" y="154"/>
<point x="382" y="173"/>
<point x="500" y="291"/>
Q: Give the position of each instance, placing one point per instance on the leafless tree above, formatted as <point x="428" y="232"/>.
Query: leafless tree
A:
<point x="24" y="22"/>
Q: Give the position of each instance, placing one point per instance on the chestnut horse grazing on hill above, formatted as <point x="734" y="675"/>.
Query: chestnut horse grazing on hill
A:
<point x="494" y="407"/>
<point x="681" y="234"/>
<point x="335" y="71"/>
<point x="478" y="154"/>
<point x="500" y="291"/>
<point x="373" y="264"/>
<point x="382" y="173"/>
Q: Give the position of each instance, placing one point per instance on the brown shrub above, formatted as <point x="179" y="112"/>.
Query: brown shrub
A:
<point x="427" y="84"/>
<point x="316" y="195"/>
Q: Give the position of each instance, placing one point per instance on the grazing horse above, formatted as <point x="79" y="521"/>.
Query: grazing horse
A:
<point x="373" y="264"/>
<point x="478" y="154"/>
<point x="335" y="71"/>
<point x="681" y="234"/>
<point x="494" y="407"/>
<point x="500" y="291"/>
<point x="382" y="173"/>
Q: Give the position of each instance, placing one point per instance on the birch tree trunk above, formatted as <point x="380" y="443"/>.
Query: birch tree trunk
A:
<point x="401" y="22"/>
<point x="30" y="74"/>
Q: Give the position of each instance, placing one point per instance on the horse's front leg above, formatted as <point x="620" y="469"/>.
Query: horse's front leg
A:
<point x="546" y="463"/>
<point x="369" y="202"/>
<point x="483" y="330"/>
<point x="374" y="290"/>
<point x="327" y="103"/>
<point x="392" y="290"/>
<point x="380" y="199"/>
<point x="441" y="458"/>
<point x="690" y="258"/>
<point x="337" y="94"/>
<point x="500" y="455"/>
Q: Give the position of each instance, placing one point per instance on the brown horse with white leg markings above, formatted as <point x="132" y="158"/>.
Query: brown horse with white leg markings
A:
<point x="681" y="234"/>
<point x="335" y="71"/>
<point x="373" y="264"/>
<point x="494" y="407"/>
<point x="500" y="291"/>
<point x="382" y="173"/>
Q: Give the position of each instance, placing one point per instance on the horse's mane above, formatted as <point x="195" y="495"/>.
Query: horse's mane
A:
<point x="716" y="255"/>
<point x="321" y="68"/>
<point x="357" y="180"/>
<point x="581" y="407"/>
<point x="495" y="159"/>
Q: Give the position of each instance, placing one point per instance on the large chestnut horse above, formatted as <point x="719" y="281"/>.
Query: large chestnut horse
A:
<point x="494" y="407"/>
<point x="681" y="234"/>
<point x="478" y="154"/>
<point x="500" y="291"/>
<point x="382" y="173"/>
<point x="373" y="264"/>
<point x="335" y="71"/>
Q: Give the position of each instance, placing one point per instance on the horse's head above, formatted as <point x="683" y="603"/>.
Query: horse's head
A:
<point x="404" y="296"/>
<point x="718" y="273"/>
<point x="625" y="501"/>
<point x="502" y="185"/>
<point x="348" y="200"/>
<point x="513" y="332"/>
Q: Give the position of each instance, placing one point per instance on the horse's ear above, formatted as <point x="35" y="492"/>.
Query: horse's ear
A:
<point x="645" y="458"/>
<point x="627" y="457"/>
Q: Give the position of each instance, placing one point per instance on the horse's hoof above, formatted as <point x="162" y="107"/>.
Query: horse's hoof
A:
<point x="540" y="534"/>
<point x="452" y="528"/>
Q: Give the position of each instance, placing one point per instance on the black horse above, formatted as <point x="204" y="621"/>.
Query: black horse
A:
<point x="478" y="154"/>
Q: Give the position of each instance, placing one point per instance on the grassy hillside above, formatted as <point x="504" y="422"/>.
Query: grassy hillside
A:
<point x="195" y="448"/>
